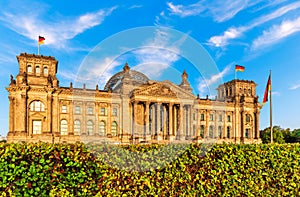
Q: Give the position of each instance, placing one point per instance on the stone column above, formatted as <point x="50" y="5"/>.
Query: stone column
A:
<point x="190" y="122"/>
<point x="181" y="124"/>
<point x="242" y="135"/>
<point x="49" y="112"/>
<point x="164" y="119"/>
<point x="197" y="124"/>
<point x="24" y="122"/>
<point x="224" y="124"/>
<point x="11" y="114"/>
<point x="134" y="126"/>
<point x="71" y="119"/>
<point x="234" y="130"/>
<point x="84" y="117"/>
<point x="175" y="121"/>
<point x="147" y="132"/>
<point x="257" y="134"/>
<point x="108" y="124"/>
<point x="171" y="119"/>
<point x="206" y="132"/>
<point x="153" y="119"/>
<point x="158" y="123"/>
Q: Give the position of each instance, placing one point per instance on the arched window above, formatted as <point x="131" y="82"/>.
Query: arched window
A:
<point x="202" y="131"/>
<point x="37" y="106"/>
<point x="45" y="71"/>
<point x="211" y="131"/>
<point x="37" y="70"/>
<point x="228" y="132"/>
<point x="77" y="127"/>
<point x="63" y="127"/>
<point x="29" y="69"/>
<point x="114" y="128"/>
<point x="90" y="127"/>
<point x="102" y="128"/>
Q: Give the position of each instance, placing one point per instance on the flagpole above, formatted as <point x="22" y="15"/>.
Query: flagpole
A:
<point x="271" y="126"/>
<point x="234" y="74"/>
<point x="38" y="49"/>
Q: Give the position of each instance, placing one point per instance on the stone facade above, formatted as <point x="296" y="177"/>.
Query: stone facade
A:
<point x="130" y="109"/>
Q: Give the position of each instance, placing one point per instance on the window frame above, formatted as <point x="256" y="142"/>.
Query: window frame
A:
<point x="202" y="117"/>
<point x="90" y="127"/>
<point x="211" y="117"/>
<point x="115" y="111"/>
<point x="114" y="127"/>
<point x="29" y="71"/>
<point x="37" y="70"/>
<point x="34" y="126"/>
<point x="64" y="127"/>
<point x="102" y="111"/>
<point x="64" y="109"/>
<point x="77" y="127"/>
<point x="102" y="128"/>
<point x="90" y="110"/>
<point x="37" y="106"/>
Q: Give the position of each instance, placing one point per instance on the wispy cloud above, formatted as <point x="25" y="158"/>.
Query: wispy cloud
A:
<point x="295" y="87"/>
<point x="236" y="32"/>
<point x="275" y="93"/>
<point x="276" y="33"/>
<point x="56" y="31"/>
<point x="204" y="84"/>
<point x="188" y="10"/>
<point x="135" y="6"/>
<point x="159" y="54"/>
<point x="220" y="10"/>
<point x="93" y="72"/>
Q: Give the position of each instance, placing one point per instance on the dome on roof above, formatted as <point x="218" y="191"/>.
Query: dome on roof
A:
<point x="136" y="77"/>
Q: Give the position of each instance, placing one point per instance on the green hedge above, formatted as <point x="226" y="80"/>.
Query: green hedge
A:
<point x="150" y="170"/>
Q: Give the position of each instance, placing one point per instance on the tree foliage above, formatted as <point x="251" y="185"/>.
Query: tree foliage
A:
<point x="280" y="135"/>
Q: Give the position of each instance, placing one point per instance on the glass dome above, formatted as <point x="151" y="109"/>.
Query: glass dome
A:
<point x="136" y="77"/>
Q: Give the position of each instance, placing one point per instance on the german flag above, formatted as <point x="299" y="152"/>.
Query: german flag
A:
<point x="268" y="88"/>
<point x="41" y="40"/>
<point x="239" y="68"/>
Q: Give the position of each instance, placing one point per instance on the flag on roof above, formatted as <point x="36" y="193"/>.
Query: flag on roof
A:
<point x="239" y="68"/>
<point x="41" y="40"/>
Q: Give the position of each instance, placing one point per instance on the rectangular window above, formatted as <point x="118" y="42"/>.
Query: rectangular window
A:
<point x="228" y="118"/>
<point x="247" y="132"/>
<point x="211" y="117"/>
<point x="102" y="111"/>
<point x="36" y="126"/>
<point x="64" y="109"/>
<point x="220" y="118"/>
<point x="77" y="110"/>
<point x="90" y="110"/>
<point x="202" y="117"/>
<point x="115" y="112"/>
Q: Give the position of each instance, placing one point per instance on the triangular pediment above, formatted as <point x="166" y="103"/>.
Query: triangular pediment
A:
<point x="38" y="114"/>
<point x="165" y="89"/>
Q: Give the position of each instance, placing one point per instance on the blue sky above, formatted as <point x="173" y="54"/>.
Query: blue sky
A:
<point x="258" y="34"/>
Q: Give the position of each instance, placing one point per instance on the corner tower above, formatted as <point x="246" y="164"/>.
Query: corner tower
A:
<point x="238" y="91"/>
<point x="37" y="70"/>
